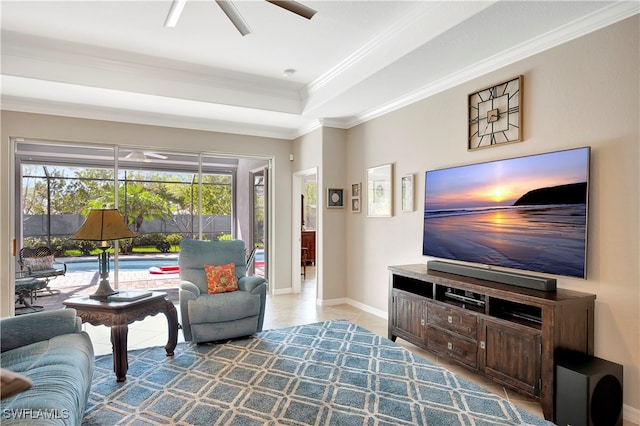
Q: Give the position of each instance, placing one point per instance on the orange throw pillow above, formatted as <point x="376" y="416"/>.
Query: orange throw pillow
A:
<point x="221" y="278"/>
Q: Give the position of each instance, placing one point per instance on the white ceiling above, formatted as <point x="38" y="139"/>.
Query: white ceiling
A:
<point x="355" y="60"/>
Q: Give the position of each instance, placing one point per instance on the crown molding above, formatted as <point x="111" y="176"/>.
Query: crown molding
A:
<point x="602" y="18"/>
<point x="68" y="62"/>
<point x="409" y="33"/>
<point x="381" y="40"/>
<point x="37" y="106"/>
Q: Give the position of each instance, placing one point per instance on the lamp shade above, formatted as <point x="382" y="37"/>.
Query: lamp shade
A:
<point x="103" y="225"/>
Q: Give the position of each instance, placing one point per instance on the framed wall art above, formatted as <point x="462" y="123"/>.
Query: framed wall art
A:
<point x="355" y="205"/>
<point x="406" y="188"/>
<point x="355" y="190"/>
<point x="355" y="198"/>
<point x="380" y="191"/>
<point x="335" y="198"/>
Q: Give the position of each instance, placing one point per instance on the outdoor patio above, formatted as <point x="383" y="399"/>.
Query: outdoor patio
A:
<point x="83" y="283"/>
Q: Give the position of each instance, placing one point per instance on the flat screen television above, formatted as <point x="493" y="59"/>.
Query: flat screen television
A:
<point x="527" y="213"/>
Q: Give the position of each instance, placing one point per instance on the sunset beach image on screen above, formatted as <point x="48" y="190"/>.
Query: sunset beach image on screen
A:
<point x="527" y="213"/>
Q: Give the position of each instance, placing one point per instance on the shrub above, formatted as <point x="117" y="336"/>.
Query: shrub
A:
<point x="33" y="242"/>
<point x="58" y="246"/>
<point x="174" y="239"/>
<point x="148" y="240"/>
<point x="86" y="247"/>
<point x="163" y="246"/>
<point x="126" y="245"/>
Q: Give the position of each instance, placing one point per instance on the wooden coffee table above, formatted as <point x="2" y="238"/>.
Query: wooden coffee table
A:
<point x="118" y="316"/>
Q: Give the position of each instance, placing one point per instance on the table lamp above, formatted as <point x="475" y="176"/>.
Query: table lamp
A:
<point x="103" y="225"/>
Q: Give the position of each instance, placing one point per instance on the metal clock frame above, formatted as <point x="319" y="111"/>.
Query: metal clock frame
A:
<point x="495" y="114"/>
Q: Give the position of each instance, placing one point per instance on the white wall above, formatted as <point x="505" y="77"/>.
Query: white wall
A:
<point x="333" y="247"/>
<point x="104" y="132"/>
<point x="307" y="155"/>
<point x="325" y="149"/>
<point x="585" y="92"/>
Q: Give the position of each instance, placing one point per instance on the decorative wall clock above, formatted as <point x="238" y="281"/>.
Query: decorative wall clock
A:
<point x="495" y="114"/>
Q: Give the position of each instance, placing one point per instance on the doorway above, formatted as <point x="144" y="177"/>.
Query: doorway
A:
<point x="305" y="230"/>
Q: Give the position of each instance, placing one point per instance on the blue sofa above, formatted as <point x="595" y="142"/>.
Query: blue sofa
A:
<point x="210" y="317"/>
<point x="49" y="349"/>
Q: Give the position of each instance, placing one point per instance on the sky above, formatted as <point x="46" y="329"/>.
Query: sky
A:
<point x="501" y="183"/>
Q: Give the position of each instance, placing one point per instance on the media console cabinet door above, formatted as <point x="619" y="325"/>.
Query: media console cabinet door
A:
<point x="520" y="365"/>
<point x="408" y="316"/>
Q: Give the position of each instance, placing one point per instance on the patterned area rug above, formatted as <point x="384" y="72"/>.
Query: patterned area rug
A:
<point x="333" y="373"/>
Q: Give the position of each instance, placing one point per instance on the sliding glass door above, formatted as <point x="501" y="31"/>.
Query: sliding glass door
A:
<point x="164" y="197"/>
<point x="259" y="204"/>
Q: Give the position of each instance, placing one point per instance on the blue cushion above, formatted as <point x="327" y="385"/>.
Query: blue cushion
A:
<point x="222" y="307"/>
<point x="61" y="369"/>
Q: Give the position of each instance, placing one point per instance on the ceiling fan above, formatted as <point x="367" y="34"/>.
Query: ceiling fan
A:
<point x="234" y="16"/>
<point x="136" y="155"/>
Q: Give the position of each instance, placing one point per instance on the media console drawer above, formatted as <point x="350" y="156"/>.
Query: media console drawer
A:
<point x="452" y="346"/>
<point x="453" y="319"/>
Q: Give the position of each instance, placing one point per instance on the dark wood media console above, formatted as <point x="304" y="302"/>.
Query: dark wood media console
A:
<point x="507" y="333"/>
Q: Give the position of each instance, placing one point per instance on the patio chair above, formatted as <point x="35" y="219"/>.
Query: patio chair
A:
<point x="26" y="288"/>
<point x="39" y="262"/>
<point x="213" y="305"/>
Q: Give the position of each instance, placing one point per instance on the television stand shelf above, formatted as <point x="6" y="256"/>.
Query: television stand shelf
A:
<point x="509" y="334"/>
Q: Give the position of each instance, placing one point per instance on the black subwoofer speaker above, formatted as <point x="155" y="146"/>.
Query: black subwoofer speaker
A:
<point x="588" y="392"/>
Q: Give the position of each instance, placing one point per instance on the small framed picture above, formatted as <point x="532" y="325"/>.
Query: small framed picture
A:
<point x="355" y="190"/>
<point x="355" y="205"/>
<point x="380" y="191"/>
<point x="355" y="197"/>
<point x="406" y="184"/>
<point x="335" y="198"/>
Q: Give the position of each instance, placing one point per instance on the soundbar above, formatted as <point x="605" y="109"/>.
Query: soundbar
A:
<point x="520" y="280"/>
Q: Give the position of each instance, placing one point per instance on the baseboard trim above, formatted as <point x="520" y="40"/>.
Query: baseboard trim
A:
<point x="278" y="292"/>
<point x="631" y="414"/>
<point x="368" y="309"/>
<point x="355" y="304"/>
<point x="332" y="302"/>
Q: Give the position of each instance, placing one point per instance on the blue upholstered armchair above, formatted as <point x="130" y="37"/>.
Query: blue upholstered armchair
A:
<point x="209" y="317"/>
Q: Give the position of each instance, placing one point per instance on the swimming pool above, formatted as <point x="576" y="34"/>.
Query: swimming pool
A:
<point x="124" y="263"/>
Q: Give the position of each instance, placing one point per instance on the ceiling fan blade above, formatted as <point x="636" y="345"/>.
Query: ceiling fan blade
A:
<point x="295" y="7"/>
<point x="234" y="16"/>
<point x="135" y="156"/>
<point x="174" y="13"/>
<point x="155" y="155"/>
